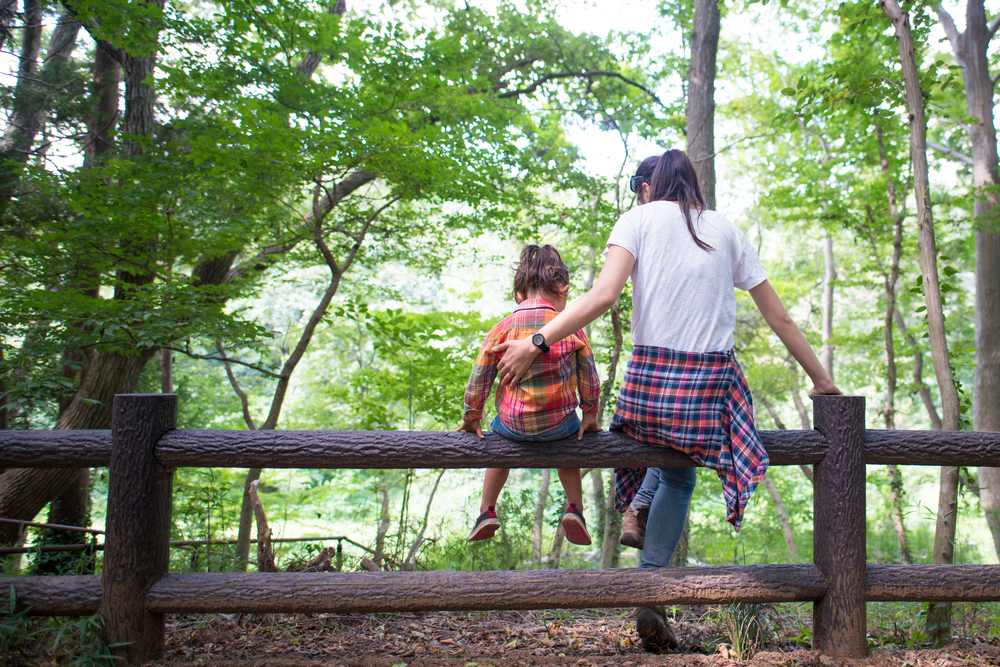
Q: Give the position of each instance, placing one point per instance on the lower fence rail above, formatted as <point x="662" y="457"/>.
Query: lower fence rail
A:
<point x="372" y="592"/>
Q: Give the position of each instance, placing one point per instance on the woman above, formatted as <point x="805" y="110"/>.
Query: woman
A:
<point x="683" y="388"/>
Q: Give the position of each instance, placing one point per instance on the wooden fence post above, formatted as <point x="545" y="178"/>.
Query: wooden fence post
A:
<point x="137" y="543"/>
<point x="839" y="540"/>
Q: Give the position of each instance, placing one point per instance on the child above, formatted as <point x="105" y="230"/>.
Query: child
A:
<point x="542" y="407"/>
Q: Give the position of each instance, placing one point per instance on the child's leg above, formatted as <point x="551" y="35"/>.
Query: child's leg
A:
<point x="572" y="483"/>
<point x="493" y="484"/>
<point x="572" y="521"/>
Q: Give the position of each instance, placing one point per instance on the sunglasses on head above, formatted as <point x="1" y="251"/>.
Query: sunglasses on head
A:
<point x="635" y="182"/>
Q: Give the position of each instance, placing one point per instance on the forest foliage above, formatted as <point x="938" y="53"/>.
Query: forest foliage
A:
<point x="303" y="216"/>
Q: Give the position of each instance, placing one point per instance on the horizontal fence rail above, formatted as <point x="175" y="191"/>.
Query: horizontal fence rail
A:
<point x="135" y="590"/>
<point x="442" y="449"/>
<point x="372" y="592"/>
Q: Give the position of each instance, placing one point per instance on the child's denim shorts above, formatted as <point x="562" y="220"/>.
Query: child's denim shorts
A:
<point x="567" y="427"/>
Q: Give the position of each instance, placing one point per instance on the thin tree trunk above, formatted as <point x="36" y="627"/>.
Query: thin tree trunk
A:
<point x="891" y="278"/>
<point x="680" y="557"/>
<point x="830" y="275"/>
<point x="411" y="557"/>
<point x="612" y="524"/>
<point x="800" y="407"/>
<point x="384" y="521"/>
<point x="610" y="548"/>
<point x="555" y="554"/>
<point x="701" y="95"/>
<point x="536" y="533"/>
<point x="939" y="614"/>
<point x="971" y="51"/>
<point x="918" y="374"/>
<point x="786" y="526"/>
<point x="599" y="504"/>
<point x="265" y="552"/>
<point x="166" y="371"/>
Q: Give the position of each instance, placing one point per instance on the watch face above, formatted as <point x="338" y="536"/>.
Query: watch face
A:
<point x="538" y="339"/>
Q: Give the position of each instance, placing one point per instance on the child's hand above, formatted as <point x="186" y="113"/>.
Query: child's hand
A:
<point x="472" y="426"/>
<point x="589" y="423"/>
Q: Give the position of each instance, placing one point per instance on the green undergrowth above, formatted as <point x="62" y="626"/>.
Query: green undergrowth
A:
<point x="66" y="641"/>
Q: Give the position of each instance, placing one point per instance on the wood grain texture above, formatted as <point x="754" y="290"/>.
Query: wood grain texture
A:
<point x="933" y="583"/>
<point x="369" y="592"/>
<point x="55" y="449"/>
<point x="81" y="595"/>
<point x="137" y="541"/>
<point x="56" y="596"/>
<point x="329" y="449"/>
<point x="839" y="619"/>
<point x="933" y="448"/>
<point x="440" y="449"/>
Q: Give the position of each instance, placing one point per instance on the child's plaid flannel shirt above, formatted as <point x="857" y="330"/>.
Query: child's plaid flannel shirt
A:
<point x="547" y="393"/>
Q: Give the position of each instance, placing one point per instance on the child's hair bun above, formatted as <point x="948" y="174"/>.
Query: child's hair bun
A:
<point x="540" y="269"/>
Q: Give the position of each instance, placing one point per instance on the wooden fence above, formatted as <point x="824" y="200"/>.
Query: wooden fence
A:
<point x="143" y="448"/>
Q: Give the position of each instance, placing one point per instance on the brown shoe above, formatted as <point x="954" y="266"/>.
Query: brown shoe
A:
<point x="634" y="527"/>
<point x="654" y="632"/>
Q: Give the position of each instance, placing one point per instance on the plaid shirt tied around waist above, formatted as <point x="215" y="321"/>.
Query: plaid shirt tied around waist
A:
<point x="698" y="403"/>
<point x="547" y="393"/>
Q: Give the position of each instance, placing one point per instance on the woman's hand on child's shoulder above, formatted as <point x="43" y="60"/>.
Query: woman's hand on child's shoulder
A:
<point x="472" y="426"/>
<point x="589" y="423"/>
<point x="516" y="360"/>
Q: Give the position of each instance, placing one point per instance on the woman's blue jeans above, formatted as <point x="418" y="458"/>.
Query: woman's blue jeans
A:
<point x="670" y="490"/>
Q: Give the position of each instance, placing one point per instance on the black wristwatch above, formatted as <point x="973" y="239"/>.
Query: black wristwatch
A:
<point x="539" y="341"/>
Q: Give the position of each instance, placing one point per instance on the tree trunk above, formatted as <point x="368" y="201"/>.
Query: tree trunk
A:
<point x="939" y="614"/>
<point x="786" y="526"/>
<point x="411" y="557"/>
<point x="555" y="554"/>
<point x="25" y="491"/>
<point x="918" y="374"/>
<point x="7" y="10"/>
<point x="599" y="505"/>
<point x="19" y="135"/>
<point x="891" y="278"/>
<point x="265" y="553"/>
<point x="680" y="557"/>
<point x="828" y="278"/>
<point x="970" y="49"/>
<point x="610" y="548"/>
<point x="701" y="95"/>
<point x="167" y="371"/>
<point x="384" y="521"/>
<point x="106" y="76"/>
<point x="536" y="533"/>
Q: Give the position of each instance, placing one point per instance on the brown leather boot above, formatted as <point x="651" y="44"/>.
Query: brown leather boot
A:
<point x="654" y="632"/>
<point x="634" y="527"/>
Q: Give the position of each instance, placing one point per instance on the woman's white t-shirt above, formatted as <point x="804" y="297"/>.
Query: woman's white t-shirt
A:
<point x="683" y="297"/>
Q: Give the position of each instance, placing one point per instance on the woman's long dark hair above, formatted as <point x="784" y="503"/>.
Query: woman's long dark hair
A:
<point x="674" y="179"/>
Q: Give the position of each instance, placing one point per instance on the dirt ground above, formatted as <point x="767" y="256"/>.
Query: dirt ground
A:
<point x="599" y="638"/>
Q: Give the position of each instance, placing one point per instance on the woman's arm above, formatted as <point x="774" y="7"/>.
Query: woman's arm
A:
<point x="519" y="355"/>
<point x="777" y="318"/>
